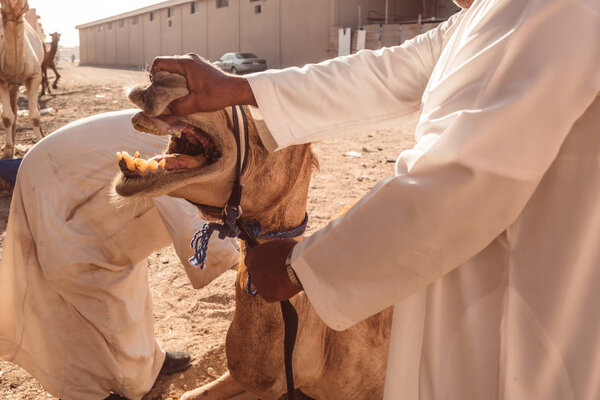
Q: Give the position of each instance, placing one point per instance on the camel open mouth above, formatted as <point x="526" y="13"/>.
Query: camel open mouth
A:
<point x="191" y="151"/>
<point x="190" y="148"/>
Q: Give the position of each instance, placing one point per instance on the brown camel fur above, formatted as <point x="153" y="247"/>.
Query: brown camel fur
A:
<point x="49" y="57"/>
<point x="23" y="52"/>
<point x="327" y="364"/>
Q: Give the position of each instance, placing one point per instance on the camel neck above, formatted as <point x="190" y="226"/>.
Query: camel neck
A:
<point x="289" y="206"/>
<point x="14" y="33"/>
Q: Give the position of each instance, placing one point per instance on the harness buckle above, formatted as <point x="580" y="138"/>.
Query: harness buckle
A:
<point x="236" y="209"/>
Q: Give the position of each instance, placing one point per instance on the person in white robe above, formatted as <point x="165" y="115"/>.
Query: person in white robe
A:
<point x="75" y="304"/>
<point x="486" y="239"/>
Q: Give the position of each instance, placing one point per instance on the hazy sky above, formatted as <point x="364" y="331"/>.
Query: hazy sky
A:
<point x="63" y="15"/>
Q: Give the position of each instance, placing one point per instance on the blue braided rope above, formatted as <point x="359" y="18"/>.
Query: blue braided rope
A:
<point x="290" y="233"/>
<point x="200" y="240"/>
<point x="229" y="228"/>
<point x="200" y="245"/>
<point x="250" y="287"/>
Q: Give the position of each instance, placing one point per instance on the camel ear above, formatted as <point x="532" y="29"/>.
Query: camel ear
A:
<point x="154" y="98"/>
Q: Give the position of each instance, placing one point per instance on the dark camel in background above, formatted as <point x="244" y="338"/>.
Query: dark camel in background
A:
<point x="50" y="50"/>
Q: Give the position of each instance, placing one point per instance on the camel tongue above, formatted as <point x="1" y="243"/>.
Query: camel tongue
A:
<point x="170" y="125"/>
<point x="181" y="161"/>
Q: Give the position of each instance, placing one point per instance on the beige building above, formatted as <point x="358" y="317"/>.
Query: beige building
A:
<point x="284" y="32"/>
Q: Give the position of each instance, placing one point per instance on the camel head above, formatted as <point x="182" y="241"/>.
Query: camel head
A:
<point x="55" y="37"/>
<point x="200" y="161"/>
<point x="13" y="9"/>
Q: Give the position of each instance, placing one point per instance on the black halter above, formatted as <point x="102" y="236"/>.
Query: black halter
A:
<point x="235" y="198"/>
<point x="234" y="226"/>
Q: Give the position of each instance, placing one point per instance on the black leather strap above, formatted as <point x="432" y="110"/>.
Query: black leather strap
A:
<point x="235" y="198"/>
<point x="290" y="323"/>
<point x="288" y="312"/>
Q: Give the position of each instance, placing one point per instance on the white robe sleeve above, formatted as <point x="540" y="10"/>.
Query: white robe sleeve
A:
<point x="365" y="91"/>
<point x="496" y="112"/>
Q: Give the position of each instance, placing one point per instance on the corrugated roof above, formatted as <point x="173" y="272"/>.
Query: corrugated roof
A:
<point x="139" y="11"/>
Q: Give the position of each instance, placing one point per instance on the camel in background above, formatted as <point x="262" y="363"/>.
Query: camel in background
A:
<point x="200" y="165"/>
<point x="23" y="51"/>
<point x="49" y="57"/>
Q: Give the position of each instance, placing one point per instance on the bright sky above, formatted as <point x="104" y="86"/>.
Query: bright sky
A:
<point x="63" y="15"/>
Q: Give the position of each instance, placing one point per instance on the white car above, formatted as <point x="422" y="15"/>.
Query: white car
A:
<point x="241" y="63"/>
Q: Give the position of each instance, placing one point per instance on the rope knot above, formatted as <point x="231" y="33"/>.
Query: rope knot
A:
<point x="200" y="240"/>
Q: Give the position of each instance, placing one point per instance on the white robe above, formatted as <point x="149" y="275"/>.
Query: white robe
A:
<point x="75" y="305"/>
<point x="487" y="238"/>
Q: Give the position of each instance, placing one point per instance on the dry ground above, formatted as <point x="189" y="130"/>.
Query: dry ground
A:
<point x="186" y="319"/>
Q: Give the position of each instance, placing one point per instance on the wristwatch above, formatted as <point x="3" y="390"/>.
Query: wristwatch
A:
<point x="291" y="273"/>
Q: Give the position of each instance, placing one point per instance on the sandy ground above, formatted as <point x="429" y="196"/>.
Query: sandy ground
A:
<point x="191" y="320"/>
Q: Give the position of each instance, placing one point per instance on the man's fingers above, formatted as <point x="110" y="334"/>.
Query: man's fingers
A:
<point x="184" y="105"/>
<point x="169" y="64"/>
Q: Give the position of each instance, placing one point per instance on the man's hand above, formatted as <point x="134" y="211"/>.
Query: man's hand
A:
<point x="266" y="264"/>
<point x="210" y="88"/>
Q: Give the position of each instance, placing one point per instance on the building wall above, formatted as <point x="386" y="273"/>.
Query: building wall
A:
<point x="171" y="28"/>
<point x="260" y="33"/>
<point x="83" y="45"/>
<point x="111" y="44"/>
<point x="445" y="8"/>
<point x="223" y="28"/>
<point x="100" y="36"/>
<point x="152" y="36"/>
<point x="285" y="32"/>
<point x="91" y="38"/>
<point x="406" y="10"/>
<point x="194" y="28"/>
<point x="304" y="31"/>
<point x="89" y="53"/>
<point x="135" y="42"/>
<point x="122" y="41"/>
<point x="348" y="13"/>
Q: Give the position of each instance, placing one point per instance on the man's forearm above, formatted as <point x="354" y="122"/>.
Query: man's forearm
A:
<point x="239" y="91"/>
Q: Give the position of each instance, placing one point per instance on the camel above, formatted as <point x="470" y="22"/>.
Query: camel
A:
<point x="23" y="52"/>
<point x="49" y="57"/>
<point x="200" y="165"/>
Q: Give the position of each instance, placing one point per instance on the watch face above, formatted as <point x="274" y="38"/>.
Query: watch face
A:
<point x="293" y="277"/>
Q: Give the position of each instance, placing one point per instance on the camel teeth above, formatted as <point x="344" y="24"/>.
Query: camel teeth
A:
<point x="129" y="161"/>
<point x="175" y="132"/>
<point x="119" y="156"/>
<point x="141" y="165"/>
<point x="152" y="165"/>
<point x="137" y="154"/>
<point x="162" y="163"/>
